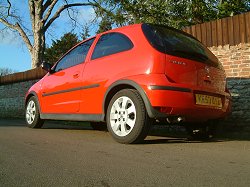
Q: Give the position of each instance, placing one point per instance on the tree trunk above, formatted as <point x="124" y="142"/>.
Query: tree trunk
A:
<point x="39" y="36"/>
<point x="38" y="49"/>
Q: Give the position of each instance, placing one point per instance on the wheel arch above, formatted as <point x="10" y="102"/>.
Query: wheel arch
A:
<point x="127" y="84"/>
<point x="31" y="94"/>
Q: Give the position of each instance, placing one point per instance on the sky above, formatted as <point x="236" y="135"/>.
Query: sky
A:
<point x="14" y="53"/>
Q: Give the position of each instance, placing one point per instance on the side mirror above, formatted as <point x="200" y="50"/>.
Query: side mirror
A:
<point x="46" y="66"/>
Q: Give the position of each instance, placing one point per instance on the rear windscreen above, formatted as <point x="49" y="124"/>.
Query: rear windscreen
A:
<point x="177" y="43"/>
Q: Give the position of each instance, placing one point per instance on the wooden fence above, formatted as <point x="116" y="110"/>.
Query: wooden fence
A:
<point x="32" y="74"/>
<point x="232" y="30"/>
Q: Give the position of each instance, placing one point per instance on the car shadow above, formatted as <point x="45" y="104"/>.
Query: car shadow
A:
<point x="156" y="140"/>
<point x="65" y="125"/>
<point x="12" y="123"/>
<point x="157" y="135"/>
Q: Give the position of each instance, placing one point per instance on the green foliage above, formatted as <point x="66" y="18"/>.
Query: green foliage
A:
<point x="85" y="33"/>
<point x="174" y="13"/>
<point x="59" y="47"/>
<point x="232" y="7"/>
<point x="6" y="71"/>
<point x="104" y="25"/>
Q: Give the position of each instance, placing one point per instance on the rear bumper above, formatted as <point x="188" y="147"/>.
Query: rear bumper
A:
<point x="169" y="101"/>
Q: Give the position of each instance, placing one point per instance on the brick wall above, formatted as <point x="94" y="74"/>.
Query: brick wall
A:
<point x="236" y="62"/>
<point x="235" y="59"/>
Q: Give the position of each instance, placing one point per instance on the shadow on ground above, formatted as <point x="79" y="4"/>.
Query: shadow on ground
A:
<point x="159" y="134"/>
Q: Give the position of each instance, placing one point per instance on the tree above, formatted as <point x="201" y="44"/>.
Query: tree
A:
<point x="105" y="24"/>
<point x="85" y="32"/>
<point x="60" y="47"/>
<point x="42" y="14"/>
<point x="174" y="13"/>
<point x="232" y="7"/>
<point x="171" y="12"/>
<point x="6" y="71"/>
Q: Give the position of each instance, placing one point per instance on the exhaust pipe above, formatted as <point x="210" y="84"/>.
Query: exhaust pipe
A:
<point x="180" y="119"/>
<point x="175" y="119"/>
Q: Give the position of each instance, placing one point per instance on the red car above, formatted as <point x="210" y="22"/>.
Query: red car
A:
<point x="129" y="77"/>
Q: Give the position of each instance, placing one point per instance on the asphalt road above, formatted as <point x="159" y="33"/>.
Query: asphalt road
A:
<point x="60" y="155"/>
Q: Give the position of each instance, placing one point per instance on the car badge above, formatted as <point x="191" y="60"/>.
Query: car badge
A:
<point x="178" y="62"/>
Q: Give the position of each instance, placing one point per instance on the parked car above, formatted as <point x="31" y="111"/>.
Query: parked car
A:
<point x="129" y="77"/>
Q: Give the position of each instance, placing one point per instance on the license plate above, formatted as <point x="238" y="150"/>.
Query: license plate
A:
<point x="208" y="100"/>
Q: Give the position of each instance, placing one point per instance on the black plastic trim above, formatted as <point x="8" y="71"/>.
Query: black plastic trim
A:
<point x="73" y="117"/>
<point x="171" y="88"/>
<point x="71" y="90"/>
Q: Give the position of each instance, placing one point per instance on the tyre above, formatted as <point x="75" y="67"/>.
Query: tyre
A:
<point x="127" y="118"/>
<point x="100" y="126"/>
<point x="32" y="114"/>
<point x="205" y="131"/>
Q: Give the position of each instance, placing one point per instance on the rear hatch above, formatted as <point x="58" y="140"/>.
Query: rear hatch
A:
<point x="187" y="60"/>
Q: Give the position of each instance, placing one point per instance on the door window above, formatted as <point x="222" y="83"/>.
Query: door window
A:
<point x="74" y="57"/>
<point x="111" y="43"/>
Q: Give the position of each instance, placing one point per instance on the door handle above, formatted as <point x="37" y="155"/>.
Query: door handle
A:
<point x="75" y="76"/>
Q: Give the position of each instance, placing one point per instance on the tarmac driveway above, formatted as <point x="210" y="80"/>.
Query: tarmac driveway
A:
<point x="60" y="155"/>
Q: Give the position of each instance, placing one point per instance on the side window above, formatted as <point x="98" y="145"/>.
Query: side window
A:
<point x="74" y="57"/>
<point x="111" y="43"/>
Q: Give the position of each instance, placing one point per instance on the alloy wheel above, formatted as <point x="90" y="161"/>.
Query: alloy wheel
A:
<point x="31" y="112"/>
<point x="123" y="116"/>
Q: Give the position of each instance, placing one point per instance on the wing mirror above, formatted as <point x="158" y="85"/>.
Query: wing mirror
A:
<point x="47" y="66"/>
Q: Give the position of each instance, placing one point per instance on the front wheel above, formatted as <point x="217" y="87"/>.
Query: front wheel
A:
<point x="32" y="114"/>
<point x="127" y="118"/>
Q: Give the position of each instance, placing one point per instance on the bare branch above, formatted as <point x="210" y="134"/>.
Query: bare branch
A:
<point x="9" y="7"/>
<point x="24" y="36"/>
<point x="7" y="24"/>
<point x="51" y="6"/>
<point x="62" y="8"/>
<point x="9" y="14"/>
<point x="74" y="22"/>
<point x="46" y="5"/>
<point x="18" y="28"/>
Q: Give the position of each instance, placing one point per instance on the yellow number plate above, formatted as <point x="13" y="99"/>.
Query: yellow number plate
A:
<point x="208" y="100"/>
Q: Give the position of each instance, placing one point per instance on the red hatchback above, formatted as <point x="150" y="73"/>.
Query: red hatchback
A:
<point x="129" y="77"/>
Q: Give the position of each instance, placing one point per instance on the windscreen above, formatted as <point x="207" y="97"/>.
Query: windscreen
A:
<point x="174" y="42"/>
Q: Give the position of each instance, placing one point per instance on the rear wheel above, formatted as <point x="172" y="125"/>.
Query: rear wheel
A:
<point x="32" y="114"/>
<point x="127" y="119"/>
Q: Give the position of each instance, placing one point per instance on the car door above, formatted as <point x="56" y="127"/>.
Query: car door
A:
<point x="106" y="62"/>
<point x="61" y="89"/>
